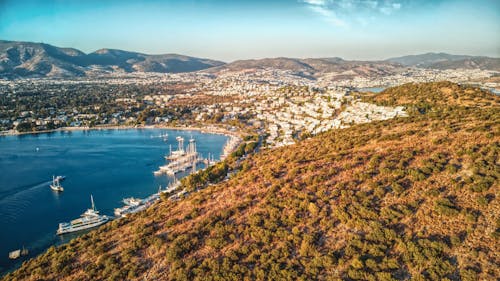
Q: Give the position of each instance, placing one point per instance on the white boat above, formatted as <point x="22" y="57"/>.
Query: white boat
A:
<point x="56" y="186"/>
<point x="60" y="178"/>
<point x="128" y="209"/>
<point x="18" y="253"/>
<point x="132" y="201"/>
<point x="15" y="254"/>
<point x="24" y="252"/>
<point x="180" y="152"/>
<point x="164" y="136"/>
<point x="134" y="205"/>
<point x="89" y="219"/>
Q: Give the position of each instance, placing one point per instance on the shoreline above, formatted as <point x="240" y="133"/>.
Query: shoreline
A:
<point x="35" y="252"/>
<point x="211" y="130"/>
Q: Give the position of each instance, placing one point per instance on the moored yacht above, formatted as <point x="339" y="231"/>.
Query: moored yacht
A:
<point x="134" y="205"/>
<point x="132" y="201"/>
<point x="89" y="219"/>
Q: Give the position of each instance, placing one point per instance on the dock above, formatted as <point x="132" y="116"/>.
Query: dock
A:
<point x="136" y="205"/>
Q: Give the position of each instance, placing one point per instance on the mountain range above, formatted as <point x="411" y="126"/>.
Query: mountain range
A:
<point x="447" y="61"/>
<point x="313" y="66"/>
<point x="28" y="59"/>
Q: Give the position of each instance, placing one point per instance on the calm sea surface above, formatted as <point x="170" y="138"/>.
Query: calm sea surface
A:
<point x="371" y="89"/>
<point x="109" y="164"/>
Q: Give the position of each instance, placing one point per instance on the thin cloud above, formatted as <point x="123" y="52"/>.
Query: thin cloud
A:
<point x="315" y="2"/>
<point x="337" y="12"/>
<point x="328" y="14"/>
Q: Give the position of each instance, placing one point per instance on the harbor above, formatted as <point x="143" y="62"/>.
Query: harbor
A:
<point x="118" y="164"/>
<point x="182" y="159"/>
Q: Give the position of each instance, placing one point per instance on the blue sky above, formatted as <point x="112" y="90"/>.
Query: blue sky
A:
<point x="239" y="29"/>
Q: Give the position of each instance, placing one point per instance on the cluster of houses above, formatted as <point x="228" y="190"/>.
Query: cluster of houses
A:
<point x="281" y="103"/>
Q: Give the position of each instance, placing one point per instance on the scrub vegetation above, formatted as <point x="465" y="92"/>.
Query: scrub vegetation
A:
<point x="412" y="198"/>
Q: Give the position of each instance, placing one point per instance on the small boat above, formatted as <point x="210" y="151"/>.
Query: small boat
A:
<point x="134" y="205"/>
<point x="18" y="253"/>
<point x="56" y="186"/>
<point x="15" y="254"/>
<point x="132" y="201"/>
<point x="24" y="252"/>
<point x="60" y="178"/>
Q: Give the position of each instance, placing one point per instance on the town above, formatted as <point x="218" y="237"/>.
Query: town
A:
<point x="281" y="105"/>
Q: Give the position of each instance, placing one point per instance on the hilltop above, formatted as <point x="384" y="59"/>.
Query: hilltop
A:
<point x="27" y="59"/>
<point x="314" y="66"/>
<point x="408" y="198"/>
<point x="447" y="61"/>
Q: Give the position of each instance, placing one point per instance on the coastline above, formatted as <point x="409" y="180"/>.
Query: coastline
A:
<point x="34" y="252"/>
<point x="211" y="130"/>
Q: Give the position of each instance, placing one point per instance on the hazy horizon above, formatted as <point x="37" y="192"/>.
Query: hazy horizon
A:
<point x="350" y="29"/>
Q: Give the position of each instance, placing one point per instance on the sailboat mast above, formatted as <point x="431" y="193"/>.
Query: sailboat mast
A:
<point x="92" y="200"/>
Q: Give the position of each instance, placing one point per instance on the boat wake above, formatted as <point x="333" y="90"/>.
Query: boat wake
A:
<point x="21" y="189"/>
<point x="15" y="201"/>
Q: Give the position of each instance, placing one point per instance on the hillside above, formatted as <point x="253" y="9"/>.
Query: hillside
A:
<point x="447" y="61"/>
<point x="26" y="59"/>
<point x="313" y="66"/>
<point x="469" y="63"/>
<point x="408" y="198"/>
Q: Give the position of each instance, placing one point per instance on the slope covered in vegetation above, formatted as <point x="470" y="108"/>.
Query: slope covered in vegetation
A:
<point x="409" y="198"/>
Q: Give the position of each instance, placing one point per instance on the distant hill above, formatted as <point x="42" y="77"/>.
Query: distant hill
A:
<point x="469" y="63"/>
<point x="313" y="66"/>
<point x="411" y="198"/>
<point x="347" y="69"/>
<point x="447" y="61"/>
<point x="26" y="59"/>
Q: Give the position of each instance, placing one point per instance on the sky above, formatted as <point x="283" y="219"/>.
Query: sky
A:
<point x="241" y="29"/>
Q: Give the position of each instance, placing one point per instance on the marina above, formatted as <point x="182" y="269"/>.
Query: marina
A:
<point x="182" y="159"/>
<point x="109" y="164"/>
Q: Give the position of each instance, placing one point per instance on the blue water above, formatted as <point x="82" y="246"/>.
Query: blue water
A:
<point x="109" y="164"/>
<point x="372" y="89"/>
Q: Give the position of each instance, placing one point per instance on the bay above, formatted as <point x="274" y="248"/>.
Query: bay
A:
<point x="371" y="89"/>
<point x="109" y="164"/>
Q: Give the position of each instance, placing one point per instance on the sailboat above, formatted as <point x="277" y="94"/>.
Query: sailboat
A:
<point x="56" y="185"/>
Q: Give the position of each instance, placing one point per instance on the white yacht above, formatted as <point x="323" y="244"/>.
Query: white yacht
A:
<point x="132" y="201"/>
<point x="89" y="219"/>
<point x="56" y="185"/>
<point x="134" y="205"/>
